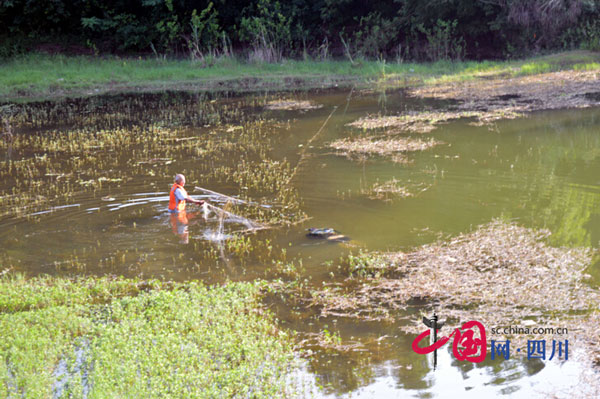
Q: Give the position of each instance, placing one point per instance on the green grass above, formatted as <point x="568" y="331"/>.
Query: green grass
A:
<point x="590" y="66"/>
<point x="117" y="338"/>
<point x="534" y="68"/>
<point x="38" y="75"/>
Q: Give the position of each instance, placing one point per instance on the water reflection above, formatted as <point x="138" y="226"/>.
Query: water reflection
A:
<point x="395" y="378"/>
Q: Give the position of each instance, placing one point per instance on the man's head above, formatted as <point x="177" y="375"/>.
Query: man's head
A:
<point x="180" y="179"/>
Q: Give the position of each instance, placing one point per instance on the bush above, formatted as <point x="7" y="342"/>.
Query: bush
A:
<point x="205" y="33"/>
<point x="442" y="41"/>
<point x="268" y="32"/>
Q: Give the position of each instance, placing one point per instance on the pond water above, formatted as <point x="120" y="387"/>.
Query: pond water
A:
<point x="84" y="190"/>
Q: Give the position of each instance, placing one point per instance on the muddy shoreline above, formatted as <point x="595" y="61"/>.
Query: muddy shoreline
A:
<point x="247" y="85"/>
<point x="488" y="100"/>
<point x="485" y="98"/>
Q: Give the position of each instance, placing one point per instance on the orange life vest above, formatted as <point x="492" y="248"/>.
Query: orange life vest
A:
<point x="174" y="204"/>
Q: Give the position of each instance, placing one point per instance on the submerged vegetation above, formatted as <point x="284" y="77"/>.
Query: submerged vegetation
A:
<point x="87" y="149"/>
<point x="62" y="155"/>
<point x="104" y="337"/>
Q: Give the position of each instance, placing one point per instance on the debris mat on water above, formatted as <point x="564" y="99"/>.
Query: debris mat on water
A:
<point x="388" y="190"/>
<point x="292" y="105"/>
<point x="426" y="121"/>
<point x="490" y="100"/>
<point x="501" y="98"/>
<point x="415" y="122"/>
<point x="500" y="275"/>
<point x="383" y="147"/>
<point x="555" y="90"/>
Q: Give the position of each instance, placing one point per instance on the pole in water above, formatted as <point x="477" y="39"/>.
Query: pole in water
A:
<point x="433" y="324"/>
<point x="220" y="195"/>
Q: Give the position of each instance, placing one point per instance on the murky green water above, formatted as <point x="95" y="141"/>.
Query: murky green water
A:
<point x="100" y="207"/>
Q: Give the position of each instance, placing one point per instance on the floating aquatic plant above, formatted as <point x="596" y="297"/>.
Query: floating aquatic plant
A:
<point x="135" y="338"/>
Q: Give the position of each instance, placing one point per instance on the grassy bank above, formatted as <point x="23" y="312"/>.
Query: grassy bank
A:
<point x="45" y="76"/>
<point x="102" y="338"/>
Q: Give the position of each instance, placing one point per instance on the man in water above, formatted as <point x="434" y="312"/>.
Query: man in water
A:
<point x="178" y="196"/>
<point x="177" y="200"/>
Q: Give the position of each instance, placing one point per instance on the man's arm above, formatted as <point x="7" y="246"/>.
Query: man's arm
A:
<point x="181" y="197"/>
<point x="194" y="201"/>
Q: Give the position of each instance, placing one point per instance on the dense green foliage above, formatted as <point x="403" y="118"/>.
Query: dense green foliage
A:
<point x="267" y="30"/>
<point x="104" y="338"/>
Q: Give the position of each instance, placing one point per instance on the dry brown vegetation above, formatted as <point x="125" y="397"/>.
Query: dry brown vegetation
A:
<point x="490" y="99"/>
<point x="425" y="122"/>
<point x="291" y="105"/>
<point x="388" y="190"/>
<point x="383" y="146"/>
<point x="414" y="122"/>
<point x="501" y="275"/>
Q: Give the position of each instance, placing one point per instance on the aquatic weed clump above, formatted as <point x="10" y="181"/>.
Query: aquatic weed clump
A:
<point x="389" y="146"/>
<point x="415" y="122"/>
<point x="426" y="121"/>
<point x="248" y="161"/>
<point x="291" y="105"/>
<point x="57" y="165"/>
<point x="105" y="337"/>
<point x="388" y="190"/>
<point x="172" y="108"/>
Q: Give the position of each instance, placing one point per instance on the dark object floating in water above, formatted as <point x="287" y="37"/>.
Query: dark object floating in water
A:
<point x="320" y="232"/>
<point x="328" y="234"/>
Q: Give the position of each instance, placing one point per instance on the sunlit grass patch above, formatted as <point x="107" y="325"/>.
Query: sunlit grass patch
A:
<point x="591" y="66"/>
<point x="127" y="338"/>
<point x="533" y="68"/>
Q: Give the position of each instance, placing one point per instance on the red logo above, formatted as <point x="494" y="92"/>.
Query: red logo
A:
<point x="465" y="345"/>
